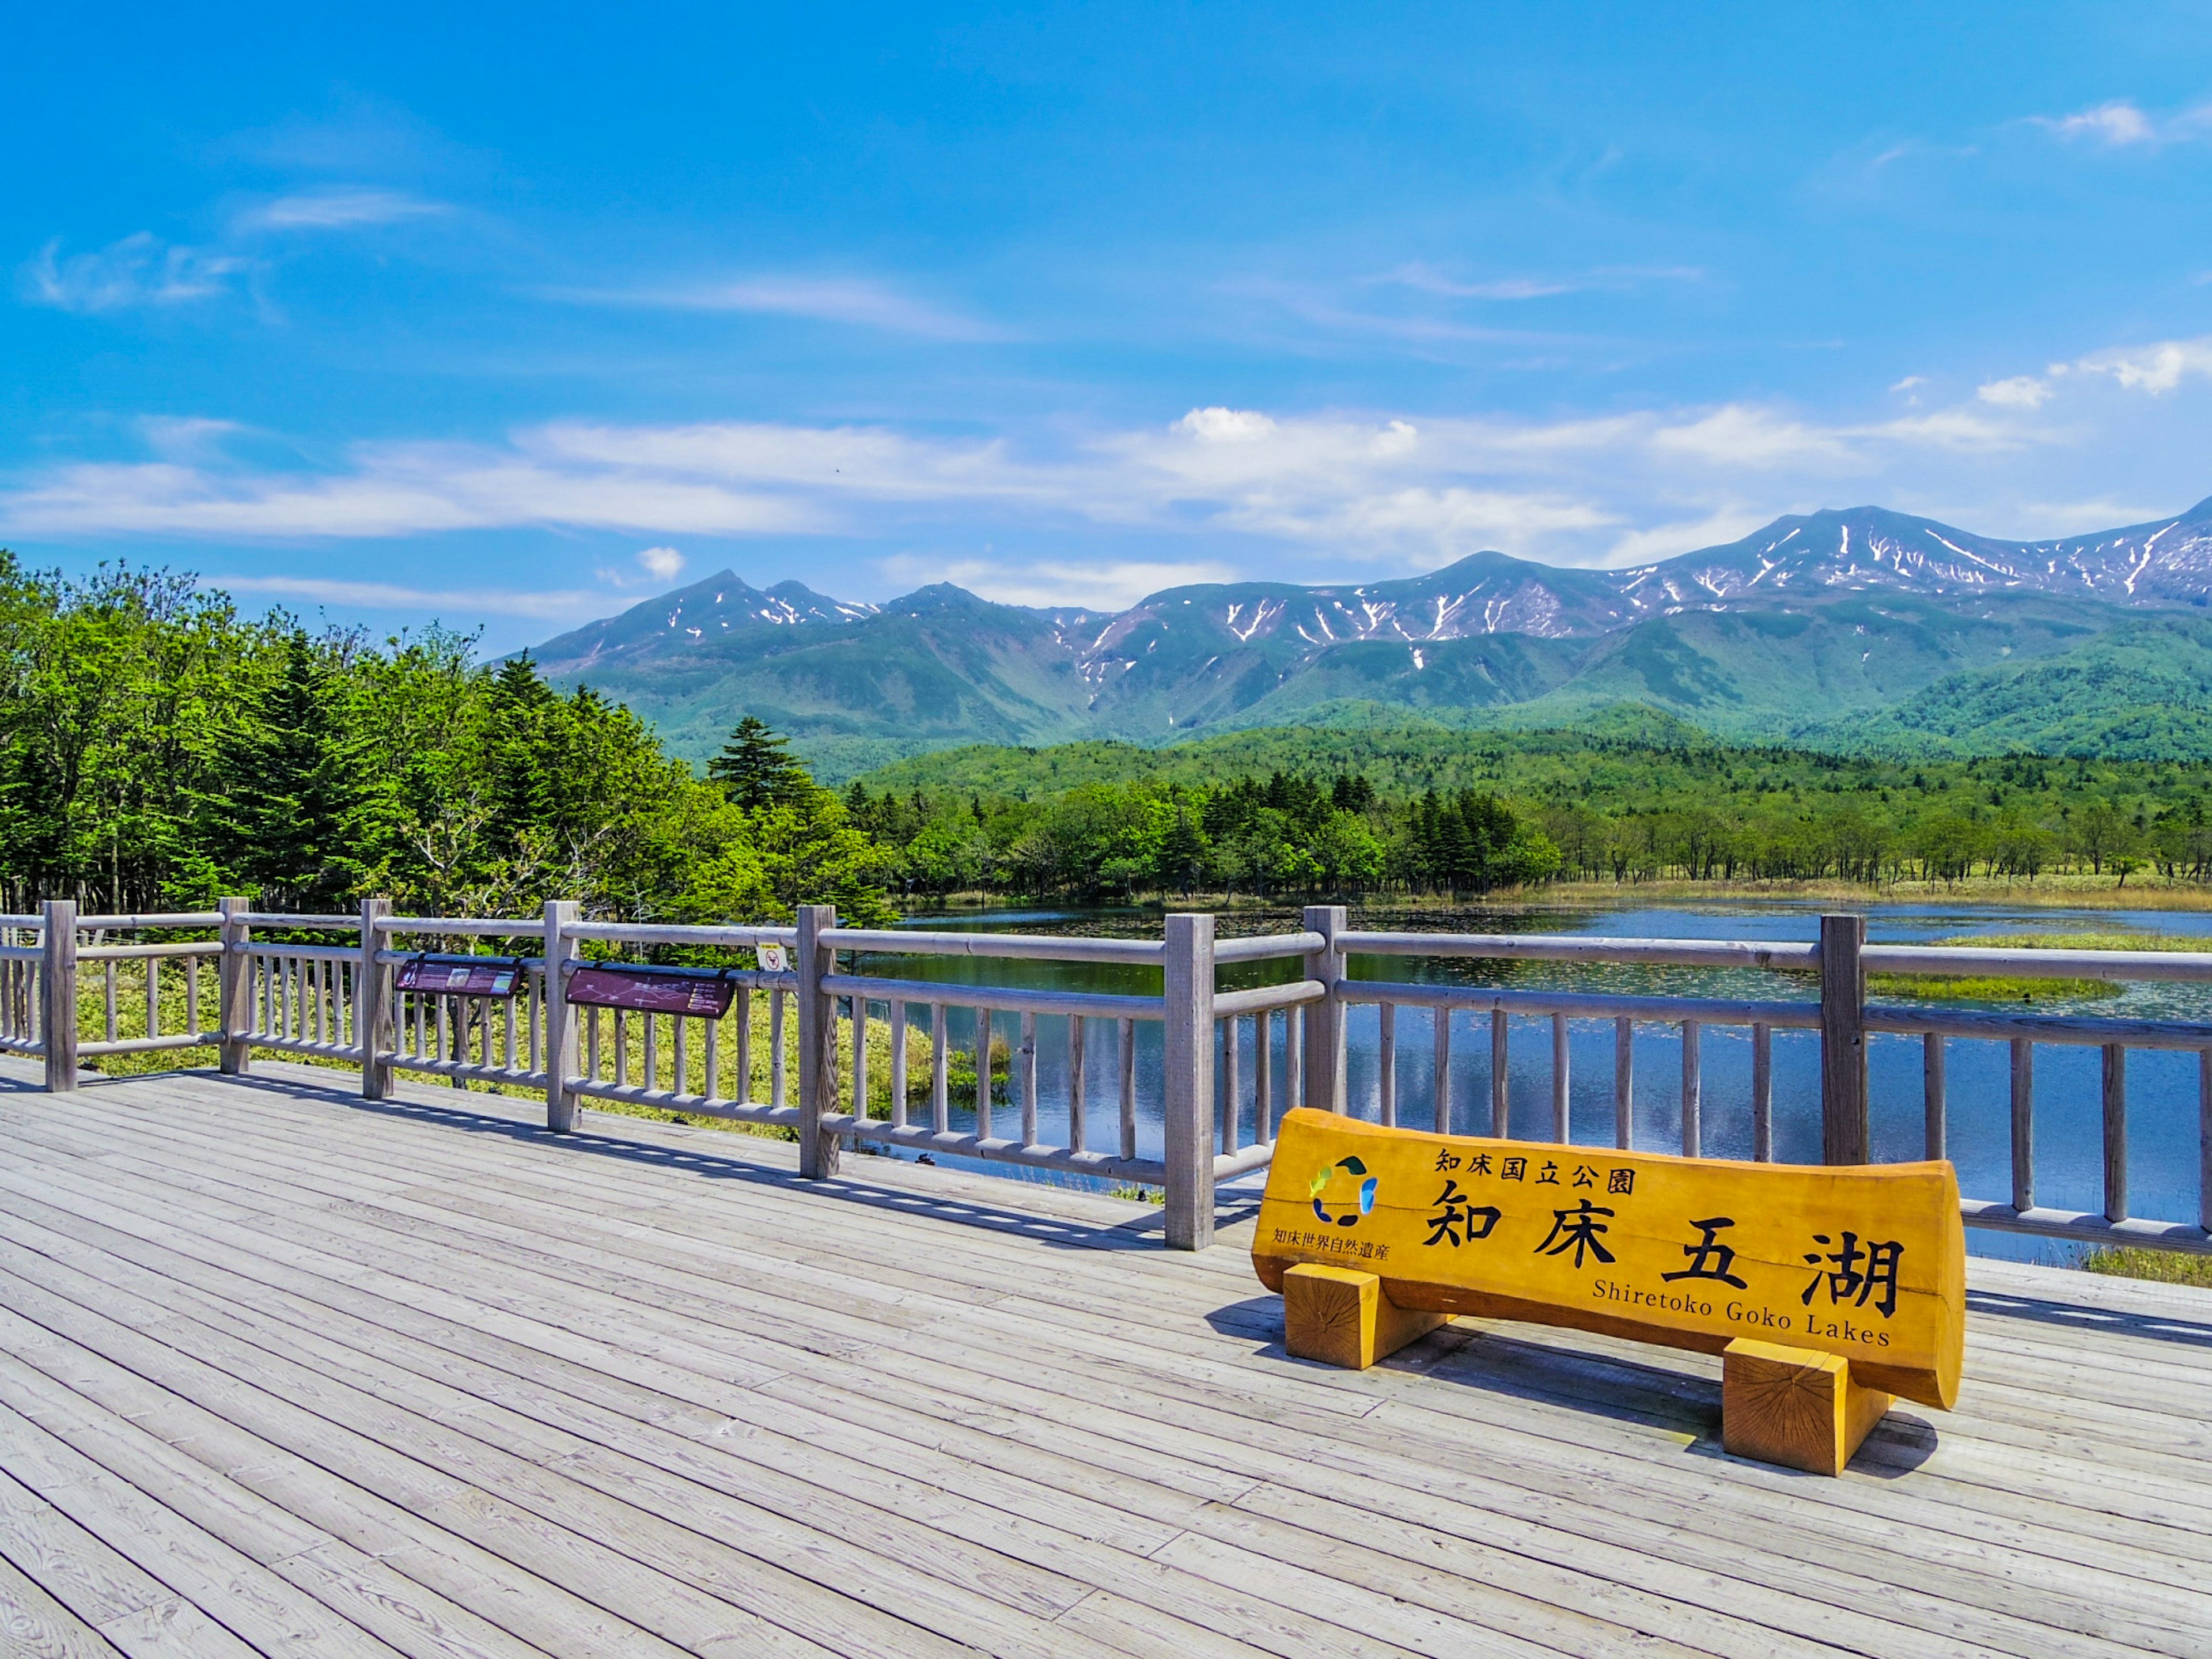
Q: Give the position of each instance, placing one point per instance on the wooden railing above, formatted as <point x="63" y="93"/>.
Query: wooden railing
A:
<point x="797" y="1045"/>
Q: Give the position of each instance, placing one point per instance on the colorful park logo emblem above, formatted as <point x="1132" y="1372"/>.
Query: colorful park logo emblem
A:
<point x="1342" y="1192"/>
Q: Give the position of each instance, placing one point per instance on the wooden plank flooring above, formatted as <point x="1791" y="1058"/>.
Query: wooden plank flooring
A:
<point x="284" y="1373"/>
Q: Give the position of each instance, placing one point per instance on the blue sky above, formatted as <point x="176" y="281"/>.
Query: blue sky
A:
<point x="512" y="317"/>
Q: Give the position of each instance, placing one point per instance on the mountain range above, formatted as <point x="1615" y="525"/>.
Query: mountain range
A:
<point x="1848" y="629"/>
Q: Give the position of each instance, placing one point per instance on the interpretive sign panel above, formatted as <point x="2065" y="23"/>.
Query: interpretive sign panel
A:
<point x="458" y="976"/>
<point x="1865" y="1261"/>
<point x="648" y="991"/>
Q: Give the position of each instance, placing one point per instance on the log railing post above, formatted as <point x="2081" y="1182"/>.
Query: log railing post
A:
<point x="234" y="986"/>
<point x="818" y="1046"/>
<point x="1843" y="1137"/>
<point x="371" y="1002"/>
<point x="1324" y="1020"/>
<point x="57" y="989"/>
<point x="560" y="1057"/>
<point x="1187" y="1046"/>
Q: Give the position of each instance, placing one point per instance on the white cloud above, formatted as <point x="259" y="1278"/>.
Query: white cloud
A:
<point x="1909" y="382"/>
<point x="2018" y="391"/>
<point x="2156" y="369"/>
<point x="1343" y="487"/>
<point x="1218" y="426"/>
<point x="2120" y="124"/>
<point x="392" y="490"/>
<point x="1740" y="434"/>
<point x="818" y="299"/>
<point x="2116" y="123"/>
<point x="340" y="209"/>
<point x="137" y="270"/>
<point x="553" y="606"/>
<point x="1663" y="541"/>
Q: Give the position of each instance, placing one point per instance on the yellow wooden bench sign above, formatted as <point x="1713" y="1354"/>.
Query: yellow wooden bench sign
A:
<point x="1826" y="1289"/>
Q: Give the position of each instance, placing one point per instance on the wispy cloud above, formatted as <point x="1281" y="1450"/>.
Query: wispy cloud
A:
<point x="1352" y="488"/>
<point x="1426" y="279"/>
<point x="850" y="302"/>
<point x="343" y="208"/>
<point x="138" y="270"/>
<point x="2120" y="124"/>
<point x="544" y="606"/>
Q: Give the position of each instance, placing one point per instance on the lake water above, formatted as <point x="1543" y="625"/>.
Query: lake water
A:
<point x="2162" y="1088"/>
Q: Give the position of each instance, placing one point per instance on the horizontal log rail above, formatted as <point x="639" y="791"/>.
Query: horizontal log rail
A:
<point x="1065" y="1081"/>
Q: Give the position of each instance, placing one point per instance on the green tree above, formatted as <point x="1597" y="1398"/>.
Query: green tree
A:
<point x="757" y="770"/>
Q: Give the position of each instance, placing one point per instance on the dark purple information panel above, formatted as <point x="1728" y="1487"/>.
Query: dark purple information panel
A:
<point x="650" y="993"/>
<point x="487" y="977"/>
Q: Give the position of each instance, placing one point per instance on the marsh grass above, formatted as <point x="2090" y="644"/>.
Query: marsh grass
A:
<point x="1943" y="988"/>
<point x="2133" y="1262"/>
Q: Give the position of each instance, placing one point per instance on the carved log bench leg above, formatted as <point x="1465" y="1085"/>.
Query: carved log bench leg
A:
<point x="1342" y="1317"/>
<point x="1795" y="1407"/>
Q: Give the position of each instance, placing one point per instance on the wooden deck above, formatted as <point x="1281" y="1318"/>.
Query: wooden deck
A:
<point x="280" y="1373"/>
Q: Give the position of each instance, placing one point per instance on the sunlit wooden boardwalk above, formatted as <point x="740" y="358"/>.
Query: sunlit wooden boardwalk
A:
<point x="282" y="1373"/>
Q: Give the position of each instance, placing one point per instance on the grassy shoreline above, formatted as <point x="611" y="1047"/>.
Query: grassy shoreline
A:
<point x="2083" y="892"/>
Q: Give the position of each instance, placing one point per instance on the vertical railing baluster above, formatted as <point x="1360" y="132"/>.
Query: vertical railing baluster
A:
<point x="983" y="1074"/>
<point x="1501" y="1105"/>
<point x="153" y="996"/>
<point x="2115" y="1132"/>
<point x="778" y="1066"/>
<point x="1623" y="1083"/>
<point x="2023" y="1124"/>
<point x="1386" y="1064"/>
<point x="1294" y="1063"/>
<point x="859" y="1032"/>
<point x="1562" y="1107"/>
<point x="192" y="995"/>
<point x="680" y="1029"/>
<point x="1263" y="1069"/>
<point x="1762" y="1093"/>
<point x="621" y="1045"/>
<point x="1935" y="1128"/>
<point x="744" y="1002"/>
<point x="1227" y="1138"/>
<point x="1026" y="1063"/>
<point x="651" y="1023"/>
<point x="898" y="1062"/>
<point x="711" y="1065"/>
<point x="1125" y="1062"/>
<point x="1693" y="1089"/>
<point x="1440" y="1029"/>
<point x="940" y="1064"/>
<point x="1077" y="1084"/>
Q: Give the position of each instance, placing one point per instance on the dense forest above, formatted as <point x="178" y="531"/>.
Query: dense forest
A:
<point x="1415" y="809"/>
<point x="158" y="749"/>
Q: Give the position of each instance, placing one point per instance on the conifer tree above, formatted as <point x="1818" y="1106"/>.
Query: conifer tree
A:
<point x="756" y="768"/>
